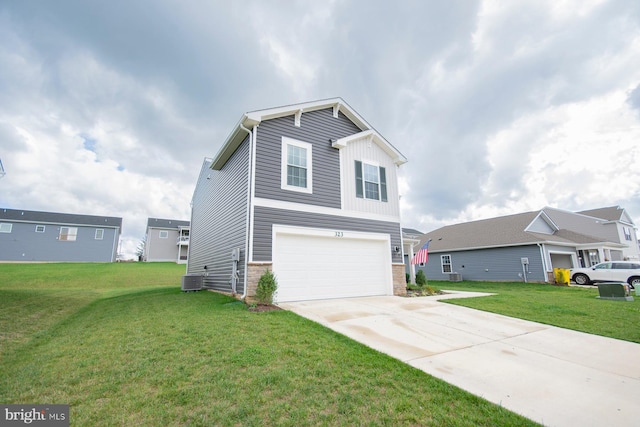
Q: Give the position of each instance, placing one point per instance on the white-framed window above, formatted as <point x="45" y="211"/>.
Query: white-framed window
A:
<point x="296" y="173"/>
<point x="164" y="234"/>
<point x="627" y="233"/>
<point x="99" y="233"/>
<point x="371" y="181"/>
<point x="5" y="227"/>
<point x="68" y="234"/>
<point x="445" y="261"/>
<point x="39" y="228"/>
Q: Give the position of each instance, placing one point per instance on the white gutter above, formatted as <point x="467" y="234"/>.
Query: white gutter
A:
<point x="544" y="262"/>
<point x="249" y="206"/>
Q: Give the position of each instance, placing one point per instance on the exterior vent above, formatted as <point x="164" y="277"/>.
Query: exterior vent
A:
<point x="455" y="277"/>
<point x="191" y="282"/>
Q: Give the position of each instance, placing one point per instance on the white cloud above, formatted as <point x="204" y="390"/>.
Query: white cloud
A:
<point x="500" y="107"/>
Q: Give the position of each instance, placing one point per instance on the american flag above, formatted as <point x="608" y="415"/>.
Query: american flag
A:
<point x="422" y="257"/>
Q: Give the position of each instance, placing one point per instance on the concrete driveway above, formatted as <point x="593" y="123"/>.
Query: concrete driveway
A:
<point x="551" y="375"/>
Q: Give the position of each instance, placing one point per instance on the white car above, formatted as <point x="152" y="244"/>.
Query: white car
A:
<point x="610" y="271"/>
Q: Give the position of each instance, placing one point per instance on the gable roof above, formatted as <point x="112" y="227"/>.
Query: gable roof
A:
<point x="252" y="118"/>
<point x="511" y="230"/>
<point x="611" y="213"/>
<point x="19" y="215"/>
<point x="166" y="223"/>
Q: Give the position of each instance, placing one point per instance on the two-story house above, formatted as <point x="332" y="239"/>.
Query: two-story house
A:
<point x="309" y="191"/>
<point x="32" y="236"/>
<point x="166" y="240"/>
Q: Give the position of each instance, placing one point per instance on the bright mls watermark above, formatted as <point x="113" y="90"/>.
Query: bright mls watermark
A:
<point x="34" y="415"/>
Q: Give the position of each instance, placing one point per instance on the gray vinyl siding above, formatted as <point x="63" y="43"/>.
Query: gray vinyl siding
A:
<point x="497" y="264"/>
<point x="218" y="221"/>
<point x="162" y="249"/>
<point x="266" y="217"/>
<point x="317" y="128"/>
<point x="24" y="244"/>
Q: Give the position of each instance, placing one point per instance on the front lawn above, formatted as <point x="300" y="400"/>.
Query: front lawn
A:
<point x="567" y="307"/>
<point x="123" y="346"/>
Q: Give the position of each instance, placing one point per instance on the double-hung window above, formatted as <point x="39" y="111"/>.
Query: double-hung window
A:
<point x="296" y="165"/>
<point x="446" y="263"/>
<point x="371" y="181"/>
<point x="99" y="234"/>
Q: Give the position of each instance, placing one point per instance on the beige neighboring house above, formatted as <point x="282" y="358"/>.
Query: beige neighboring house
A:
<point x="167" y="240"/>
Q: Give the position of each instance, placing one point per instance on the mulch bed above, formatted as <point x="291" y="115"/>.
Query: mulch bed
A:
<point x="261" y="308"/>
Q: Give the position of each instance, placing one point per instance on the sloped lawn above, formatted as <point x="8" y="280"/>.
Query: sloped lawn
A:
<point x="137" y="351"/>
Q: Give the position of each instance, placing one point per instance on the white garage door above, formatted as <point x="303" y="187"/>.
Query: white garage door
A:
<point x="318" y="264"/>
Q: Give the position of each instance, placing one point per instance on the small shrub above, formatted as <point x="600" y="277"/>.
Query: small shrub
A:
<point x="430" y="290"/>
<point x="421" y="279"/>
<point x="407" y="278"/>
<point x="267" y="286"/>
<point x="412" y="287"/>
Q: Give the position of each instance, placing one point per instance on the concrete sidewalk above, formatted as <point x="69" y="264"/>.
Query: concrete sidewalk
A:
<point x="551" y="375"/>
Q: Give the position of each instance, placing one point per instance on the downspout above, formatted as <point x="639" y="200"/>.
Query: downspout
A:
<point x="116" y="243"/>
<point x="544" y="263"/>
<point x="249" y="200"/>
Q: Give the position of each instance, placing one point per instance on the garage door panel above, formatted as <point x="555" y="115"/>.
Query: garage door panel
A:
<point x="311" y="266"/>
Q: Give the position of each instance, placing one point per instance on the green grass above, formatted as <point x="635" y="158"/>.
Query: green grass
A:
<point x="123" y="346"/>
<point x="567" y="307"/>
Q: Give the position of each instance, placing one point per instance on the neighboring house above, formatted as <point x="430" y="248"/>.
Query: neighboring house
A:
<point x="48" y="236"/>
<point x="309" y="191"/>
<point x="166" y="240"/>
<point x="528" y="246"/>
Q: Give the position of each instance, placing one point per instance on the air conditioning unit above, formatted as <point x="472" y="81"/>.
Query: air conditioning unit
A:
<point x="455" y="277"/>
<point x="191" y="282"/>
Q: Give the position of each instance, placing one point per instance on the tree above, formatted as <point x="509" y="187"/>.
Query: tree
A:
<point x="140" y="248"/>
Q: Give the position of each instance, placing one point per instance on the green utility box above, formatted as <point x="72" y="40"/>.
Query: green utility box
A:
<point x="617" y="291"/>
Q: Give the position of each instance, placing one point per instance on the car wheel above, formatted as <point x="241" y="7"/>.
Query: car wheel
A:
<point x="634" y="281"/>
<point x="581" y="279"/>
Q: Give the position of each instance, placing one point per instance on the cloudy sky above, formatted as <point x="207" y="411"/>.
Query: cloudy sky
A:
<point x="501" y="107"/>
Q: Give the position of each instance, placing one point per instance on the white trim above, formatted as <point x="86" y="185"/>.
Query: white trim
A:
<point x="5" y="229"/>
<point x="101" y="230"/>
<point x="283" y="169"/>
<point x="372" y="136"/>
<point x="301" y="207"/>
<point x="324" y="232"/>
<point x="442" y="264"/>
<point x="249" y="257"/>
<point x="375" y="165"/>
<point x="43" y="228"/>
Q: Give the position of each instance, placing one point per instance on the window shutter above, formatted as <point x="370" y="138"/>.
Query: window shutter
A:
<point x="383" y="184"/>
<point x="359" y="182"/>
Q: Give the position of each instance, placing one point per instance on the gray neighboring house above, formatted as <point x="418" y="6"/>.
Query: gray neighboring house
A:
<point x="33" y="236"/>
<point x="528" y="246"/>
<point x="309" y="191"/>
<point x="166" y="240"/>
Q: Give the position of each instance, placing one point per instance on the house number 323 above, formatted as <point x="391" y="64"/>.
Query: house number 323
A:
<point x="339" y="234"/>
